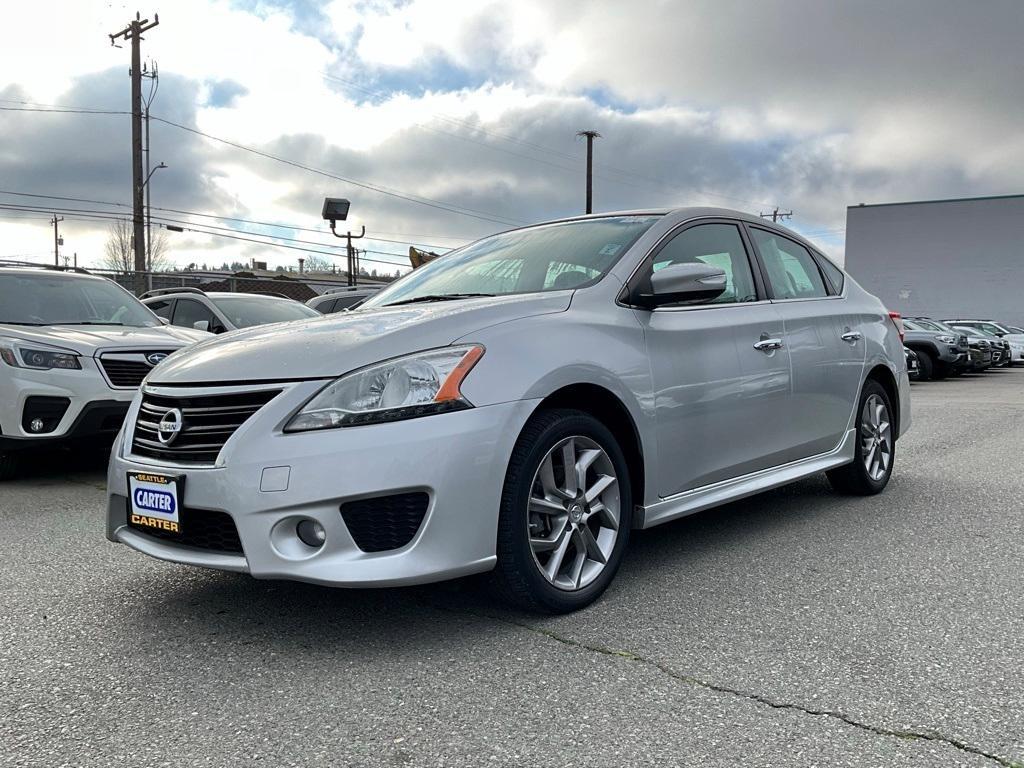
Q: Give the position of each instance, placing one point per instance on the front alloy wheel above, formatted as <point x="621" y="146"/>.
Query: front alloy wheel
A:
<point x="574" y="513"/>
<point x="566" y="512"/>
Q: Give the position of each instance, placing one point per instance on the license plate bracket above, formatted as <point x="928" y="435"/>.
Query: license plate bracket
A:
<point x="154" y="502"/>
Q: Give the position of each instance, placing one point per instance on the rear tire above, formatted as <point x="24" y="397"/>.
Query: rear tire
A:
<point x="555" y="528"/>
<point x="875" y="451"/>
<point x="8" y="466"/>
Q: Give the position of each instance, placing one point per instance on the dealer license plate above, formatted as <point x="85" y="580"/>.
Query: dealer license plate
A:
<point x="153" y="501"/>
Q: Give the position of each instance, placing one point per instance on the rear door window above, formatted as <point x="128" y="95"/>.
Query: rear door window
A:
<point x="792" y="271"/>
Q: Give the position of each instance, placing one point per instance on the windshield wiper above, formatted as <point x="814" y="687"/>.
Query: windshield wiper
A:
<point x="438" y="297"/>
<point x="88" y="322"/>
<point x="16" y="322"/>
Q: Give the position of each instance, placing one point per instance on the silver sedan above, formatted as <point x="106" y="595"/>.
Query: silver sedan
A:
<point x="517" y="406"/>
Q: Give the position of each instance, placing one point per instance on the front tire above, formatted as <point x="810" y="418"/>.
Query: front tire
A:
<point x="875" y="451"/>
<point x="566" y="512"/>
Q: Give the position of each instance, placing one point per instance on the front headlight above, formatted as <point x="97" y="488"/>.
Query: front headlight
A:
<point x="17" y="355"/>
<point x="947" y="339"/>
<point x="417" y="385"/>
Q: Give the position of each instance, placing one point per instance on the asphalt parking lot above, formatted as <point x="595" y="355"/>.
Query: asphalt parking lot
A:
<point x="796" y="628"/>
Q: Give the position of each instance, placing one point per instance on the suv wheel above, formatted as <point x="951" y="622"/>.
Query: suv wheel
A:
<point x="566" y="512"/>
<point x="926" y="366"/>
<point x="8" y="465"/>
<point x="871" y="468"/>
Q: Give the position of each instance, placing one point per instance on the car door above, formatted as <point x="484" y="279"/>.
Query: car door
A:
<point x="719" y="372"/>
<point x="825" y="342"/>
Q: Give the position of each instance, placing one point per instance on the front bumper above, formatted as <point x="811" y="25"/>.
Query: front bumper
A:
<point x="458" y="459"/>
<point x="93" y="408"/>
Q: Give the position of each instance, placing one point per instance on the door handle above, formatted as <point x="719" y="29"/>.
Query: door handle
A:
<point x="852" y="336"/>
<point x="768" y="345"/>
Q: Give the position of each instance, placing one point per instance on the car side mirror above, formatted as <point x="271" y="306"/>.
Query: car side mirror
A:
<point x="684" y="284"/>
<point x="201" y="325"/>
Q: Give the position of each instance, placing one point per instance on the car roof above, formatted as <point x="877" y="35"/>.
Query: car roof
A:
<point x="682" y="214"/>
<point x="213" y="295"/>
<point x="59" y="273"/>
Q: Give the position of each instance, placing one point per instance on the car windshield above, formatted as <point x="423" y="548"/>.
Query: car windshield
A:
<point x="1014" y="329"/>
<point x="61" y="299"/>
<point x="549" y="257"/>
<point x="246" y="311"/>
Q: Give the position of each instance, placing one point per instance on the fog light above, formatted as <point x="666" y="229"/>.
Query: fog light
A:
<point x="311" y="533"/>
<point x="36" y="425"/>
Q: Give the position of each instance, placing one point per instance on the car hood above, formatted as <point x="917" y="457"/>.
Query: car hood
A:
<point x="329" y="346"/>
<point x="87" y="339"/>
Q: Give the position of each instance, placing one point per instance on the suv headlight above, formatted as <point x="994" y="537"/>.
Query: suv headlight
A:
<point x="37" y="357"/>
<point x="947" y="339"/>
<point x="404" y="388"/>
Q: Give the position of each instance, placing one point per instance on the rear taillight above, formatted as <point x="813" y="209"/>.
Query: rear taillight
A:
<point x="897" y="320"/>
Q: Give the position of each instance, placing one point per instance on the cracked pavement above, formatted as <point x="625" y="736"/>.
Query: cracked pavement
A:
<point x="796" y="628"/>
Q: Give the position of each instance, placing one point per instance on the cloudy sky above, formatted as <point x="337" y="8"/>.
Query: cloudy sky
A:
<point x="443" y="121"/>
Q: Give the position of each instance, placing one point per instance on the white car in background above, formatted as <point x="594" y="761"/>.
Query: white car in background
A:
<point x="74" y="349"/>
<point x="222" y="311"/>
<point x="1012" y="335"/>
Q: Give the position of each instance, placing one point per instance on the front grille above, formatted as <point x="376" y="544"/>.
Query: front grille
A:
<point x="207" y="421"/>
<point x="385" y="522"/>
<point x="125" y="373"/>
<point x="200" y="528"/>
<point x="49" y="410"/>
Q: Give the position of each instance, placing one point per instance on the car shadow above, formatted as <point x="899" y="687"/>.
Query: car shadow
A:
<point x="295" y="616"/>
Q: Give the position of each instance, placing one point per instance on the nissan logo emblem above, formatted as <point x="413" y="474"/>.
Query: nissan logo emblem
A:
<point x="169" y="427"/>
<point x="156" y="357"/>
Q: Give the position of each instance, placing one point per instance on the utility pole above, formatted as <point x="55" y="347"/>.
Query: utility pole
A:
<point x="353" y="257"/>
<point x="153" y="74"/>
<point x="777" y="214"/>
<point x="56" y="239"/>
<point x="591" y="135"/>
<point x="133" y="34"/>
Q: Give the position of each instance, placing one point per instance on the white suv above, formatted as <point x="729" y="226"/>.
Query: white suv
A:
<point x="74" y="348"/>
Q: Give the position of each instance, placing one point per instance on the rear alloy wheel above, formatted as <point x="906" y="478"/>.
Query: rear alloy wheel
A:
<point x="875" y="451"/>
<point x="565" y="513"/>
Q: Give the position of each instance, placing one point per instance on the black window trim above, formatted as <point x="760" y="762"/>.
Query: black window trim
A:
<point x="760" y="287"/>
<point x="830" y="291"/>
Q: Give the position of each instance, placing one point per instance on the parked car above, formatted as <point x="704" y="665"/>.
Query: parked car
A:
<point x="1012" y="335"/>
<point x="74" y="348"/>
<point x="941" y="351"/>
<point x="218" y="312"/>
<point x="913" y="365"/>
<point x="518" y="405"/>
<point x="340" y="299"/>
<point x="1000" y="347"/>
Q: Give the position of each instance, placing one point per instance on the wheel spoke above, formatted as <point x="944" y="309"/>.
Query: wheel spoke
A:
<point x="576" y="573"/>
<point x="603" y="483"/>
<point x="554" y="564"/>
<point x="590" y="543"/>
<point x="569" y="463"/>
<point x="605" y="516"/>
<point x="547" y="478"/>
<point x="544" y="506"/>
<point x="583" y="462"/>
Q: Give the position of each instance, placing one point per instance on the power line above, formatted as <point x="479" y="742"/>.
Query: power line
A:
<point x="87" y="214"/>
<point x="295" y="227"/>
